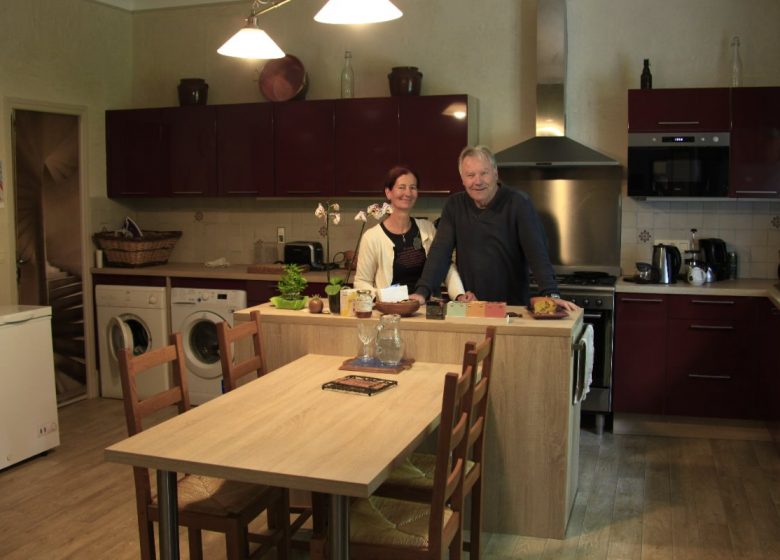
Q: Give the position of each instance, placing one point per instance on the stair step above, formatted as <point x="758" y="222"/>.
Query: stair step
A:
<point x="73" y="329"/>
<point x="65" y="290"/>
<point x="74" y="368"/>
<point x="73" y="347"/>
<point x="65" y="302"/>
<point x="68" y="315"/>
<point x="66" y="280"/>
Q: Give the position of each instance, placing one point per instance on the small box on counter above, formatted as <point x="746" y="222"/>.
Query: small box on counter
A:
<point x="495" y="309"/>
<point x="456" y="309"/>
<point x="435" y="309"/>
<point x="392" y="294"/>
<point x="475" y="309"/>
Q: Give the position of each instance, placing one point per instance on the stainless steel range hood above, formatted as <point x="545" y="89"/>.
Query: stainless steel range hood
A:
<point x="551" y="147"/>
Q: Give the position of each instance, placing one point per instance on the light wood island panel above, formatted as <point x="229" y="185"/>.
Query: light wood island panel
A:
<point x="533" y="427"/>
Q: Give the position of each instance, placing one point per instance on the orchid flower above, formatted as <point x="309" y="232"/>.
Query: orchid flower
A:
<point x="361" y="217"/>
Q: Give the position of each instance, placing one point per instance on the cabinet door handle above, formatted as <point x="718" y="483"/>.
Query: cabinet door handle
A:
<point x="714" y="302"/>
<point x="666" y="123"/>
<point x="712" y="327"/>
<point x="703" y="376"/>
<point x="641" y="300"/>
<point x="757" y="192"/>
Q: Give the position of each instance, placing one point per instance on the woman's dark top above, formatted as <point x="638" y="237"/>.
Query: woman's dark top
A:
<point x="409" y="257"/>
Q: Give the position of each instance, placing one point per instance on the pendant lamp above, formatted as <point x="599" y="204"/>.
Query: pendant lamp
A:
<point x="254" y="43"/>
<point x="357" y="11"/>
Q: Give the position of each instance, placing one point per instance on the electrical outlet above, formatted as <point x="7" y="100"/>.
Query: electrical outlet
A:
<point x="46" y="429"/>
<point x="280" y="236"/>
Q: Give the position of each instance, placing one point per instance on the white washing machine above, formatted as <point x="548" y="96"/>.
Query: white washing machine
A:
<point x="131" y="317"/>
<point x="195" y="313"/>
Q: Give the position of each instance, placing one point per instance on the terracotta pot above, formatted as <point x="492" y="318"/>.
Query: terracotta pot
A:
<point x="405" y="80"/>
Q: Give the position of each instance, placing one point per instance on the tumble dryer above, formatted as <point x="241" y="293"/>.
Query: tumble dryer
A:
<point x="134" y="317"/>
<point x="195" y="313"/>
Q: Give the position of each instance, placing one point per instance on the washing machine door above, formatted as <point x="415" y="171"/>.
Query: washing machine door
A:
<point x="201" y="345"/>
<point x="128" y="331"/>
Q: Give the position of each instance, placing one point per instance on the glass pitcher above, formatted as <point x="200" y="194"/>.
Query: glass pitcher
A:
<point x="389" y="344"/>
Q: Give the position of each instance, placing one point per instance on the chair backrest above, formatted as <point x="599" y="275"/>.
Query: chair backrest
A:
<point x="131" y="366"/>
<point x="479" y="357"/>
<point x="229" y="337"/>
<point x="450" y="459"/>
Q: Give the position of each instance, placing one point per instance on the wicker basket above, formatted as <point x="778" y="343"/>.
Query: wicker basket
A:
<point x="153" y="248"/>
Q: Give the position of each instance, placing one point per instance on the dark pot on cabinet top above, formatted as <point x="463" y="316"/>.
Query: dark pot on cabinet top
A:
<point x="405" y="80"/>
<point x="193" y="91"/>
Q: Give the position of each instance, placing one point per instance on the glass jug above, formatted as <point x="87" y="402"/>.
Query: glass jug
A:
<point x="389" y="345"/>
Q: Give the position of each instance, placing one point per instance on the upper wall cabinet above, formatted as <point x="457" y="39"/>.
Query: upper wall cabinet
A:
<point x="297" y="148"/>
<point x="679" y="110"/>
<point x="755" y="142"/>
<point x="245" y="149"/>
<point x="434" y="130"/>
<point x="303" y="148"/>
<point x="136" y="153"/>
<point x="367" y="144"/>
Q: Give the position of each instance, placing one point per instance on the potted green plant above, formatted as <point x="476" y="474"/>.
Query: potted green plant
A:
<point x="333" y="289"/>
<point x="290" y="286"/>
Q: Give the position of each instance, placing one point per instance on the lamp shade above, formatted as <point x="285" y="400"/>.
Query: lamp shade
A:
<point x="357" y="11"/>
<point x="251" y="42"/>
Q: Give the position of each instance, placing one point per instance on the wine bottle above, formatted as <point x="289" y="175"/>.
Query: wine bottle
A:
<point x="646" y="81"/>
<point x="347" y="77"/>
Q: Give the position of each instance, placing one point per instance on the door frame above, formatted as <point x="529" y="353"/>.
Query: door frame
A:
<point x="10" y="104"/>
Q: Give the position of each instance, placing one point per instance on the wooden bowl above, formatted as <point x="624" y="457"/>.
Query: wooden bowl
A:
<point x="405" y="308"/>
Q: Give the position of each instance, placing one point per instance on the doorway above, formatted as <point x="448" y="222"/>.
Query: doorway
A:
<point x="48" y="235"/>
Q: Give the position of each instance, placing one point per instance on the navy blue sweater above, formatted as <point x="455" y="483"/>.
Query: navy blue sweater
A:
<point x="494" y="247"/>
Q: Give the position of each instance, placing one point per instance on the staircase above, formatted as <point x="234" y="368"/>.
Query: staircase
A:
<point x="67" y="323"/>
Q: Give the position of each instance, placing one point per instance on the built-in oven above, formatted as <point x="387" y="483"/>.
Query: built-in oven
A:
<point x="678" y="164"/>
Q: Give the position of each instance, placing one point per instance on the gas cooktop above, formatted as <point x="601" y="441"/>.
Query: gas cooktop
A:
<point x="586" y="278"/>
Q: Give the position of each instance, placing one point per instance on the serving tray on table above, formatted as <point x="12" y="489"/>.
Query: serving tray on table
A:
<point x="375" y="366"/>
<point x="359" y="384"/>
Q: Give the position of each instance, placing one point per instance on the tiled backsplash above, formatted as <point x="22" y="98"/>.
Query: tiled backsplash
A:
<point x="751" y="229"/>
<point x="231" y="228"/>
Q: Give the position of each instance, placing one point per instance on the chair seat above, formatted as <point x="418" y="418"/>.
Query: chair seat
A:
<point x="416" y="472"/>
<point x="385" y="521"/>
<point x="215" y="496"/>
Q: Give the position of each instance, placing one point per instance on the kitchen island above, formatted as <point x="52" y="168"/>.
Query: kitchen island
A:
<point x="531" y="463"/>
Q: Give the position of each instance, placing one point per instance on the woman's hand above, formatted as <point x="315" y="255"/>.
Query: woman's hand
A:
<point x="418" y="298"/>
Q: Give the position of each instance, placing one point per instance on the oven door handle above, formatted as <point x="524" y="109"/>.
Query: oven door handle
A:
<point x="578" y="375"/>
<point x="587" y="315"/>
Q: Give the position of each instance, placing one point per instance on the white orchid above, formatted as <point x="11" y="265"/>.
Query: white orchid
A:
<point x="336" y="217"/>
<point x="361" y="217"/>
<point x="320" y="211"/>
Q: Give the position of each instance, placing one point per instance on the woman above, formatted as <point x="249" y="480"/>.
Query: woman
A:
<point x="394" y="251"/>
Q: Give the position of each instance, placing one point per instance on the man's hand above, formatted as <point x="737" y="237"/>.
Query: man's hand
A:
<point x="566" y="304"/>
<point x="418" y="298"/>
<point x="467" y="297"/>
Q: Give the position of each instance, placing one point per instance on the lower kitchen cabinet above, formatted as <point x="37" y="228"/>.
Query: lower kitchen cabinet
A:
<point x="711" y="370"/>
<point x="639" y="375"/>
<point x="768" y="395"/>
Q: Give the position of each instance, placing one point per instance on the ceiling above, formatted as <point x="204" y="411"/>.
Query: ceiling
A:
<point x="137" y="5"/>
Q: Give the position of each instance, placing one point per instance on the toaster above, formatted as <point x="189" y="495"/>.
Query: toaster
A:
<point x="304" y="253"/>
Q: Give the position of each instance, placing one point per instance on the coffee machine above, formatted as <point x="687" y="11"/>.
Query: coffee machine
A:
<point x="715" y="255"/>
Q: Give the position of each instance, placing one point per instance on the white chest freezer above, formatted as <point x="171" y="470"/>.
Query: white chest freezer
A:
<point x="28" y="400"/>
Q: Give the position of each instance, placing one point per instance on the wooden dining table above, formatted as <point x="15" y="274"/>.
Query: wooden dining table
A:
<point x="284" y="430"/>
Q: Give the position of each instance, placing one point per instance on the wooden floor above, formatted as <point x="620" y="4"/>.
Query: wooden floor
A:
<point x="640" y="497"/>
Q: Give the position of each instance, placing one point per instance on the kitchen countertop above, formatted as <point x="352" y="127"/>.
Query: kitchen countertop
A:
<point x="199" y="270"/>
<point x="746" y="287"/>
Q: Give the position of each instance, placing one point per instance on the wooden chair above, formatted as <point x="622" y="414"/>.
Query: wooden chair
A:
<point x="234" y="368"/>
<point x="205" y="503"/>
<point x="389" y="529"/>
<point x="413" y="480"/>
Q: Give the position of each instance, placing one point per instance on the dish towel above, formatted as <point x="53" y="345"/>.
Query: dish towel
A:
<point x="587" y="336"/>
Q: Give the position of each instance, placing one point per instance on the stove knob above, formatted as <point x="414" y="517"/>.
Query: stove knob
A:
<point x="204" y="296"/>
<point x="599" y="303"/>
<point x="585" y="302"/>
<point x="572" y="299"/>
<point x="152" y="300"/>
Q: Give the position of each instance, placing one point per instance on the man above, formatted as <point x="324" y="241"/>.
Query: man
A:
<point x="497" y="235"/>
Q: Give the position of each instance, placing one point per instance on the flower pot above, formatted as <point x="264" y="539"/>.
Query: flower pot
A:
<point x="334" y="304"/>
<point x="405" y="80"/>
<point x="193" y="91"/>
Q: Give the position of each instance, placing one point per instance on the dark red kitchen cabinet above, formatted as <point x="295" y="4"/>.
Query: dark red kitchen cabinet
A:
<point x="245" y="149"/>
<point x="136" y="153"/>
<point x="304" y="148"/>
<point x="639" y="377"/>
<point x="192" y="150"/>
<point x="433" y="131"/>
<point x="755" y="142"/>
<point x="367" y="144"/>
<point x="711" y="370"/>
<point x="679" y="110"/>
<point x="767" y="329"/>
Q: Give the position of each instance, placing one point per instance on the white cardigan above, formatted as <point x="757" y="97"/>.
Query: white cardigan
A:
<point x="376" y="254"/>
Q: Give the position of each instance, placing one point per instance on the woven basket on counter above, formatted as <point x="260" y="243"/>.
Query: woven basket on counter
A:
<point x="153" y="248"/>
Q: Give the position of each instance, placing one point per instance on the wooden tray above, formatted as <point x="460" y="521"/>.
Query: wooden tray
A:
<point x="350" y="365"/>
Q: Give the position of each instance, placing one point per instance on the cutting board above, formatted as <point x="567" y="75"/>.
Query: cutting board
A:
<point x="276" y="268"/>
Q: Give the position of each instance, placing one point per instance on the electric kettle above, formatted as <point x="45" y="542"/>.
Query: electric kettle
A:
<point x="667" y="261"/>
